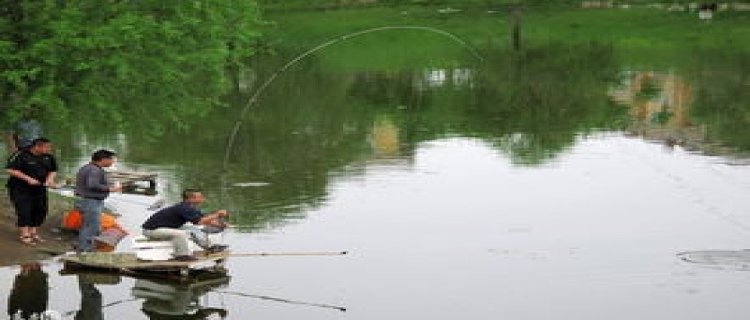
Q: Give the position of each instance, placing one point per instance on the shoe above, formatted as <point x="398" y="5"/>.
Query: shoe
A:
<point x="185" y="258"/>
<point x="27" y="240"/>
<point x="217" y="248"/>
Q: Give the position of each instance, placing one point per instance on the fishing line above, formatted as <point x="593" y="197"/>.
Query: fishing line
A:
<point x="114" y="303"/>
<point x="269" y="298"/>
<point x="321" y="46"/>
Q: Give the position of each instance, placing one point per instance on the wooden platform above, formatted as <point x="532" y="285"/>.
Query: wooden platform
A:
<point x="127" y="263"/>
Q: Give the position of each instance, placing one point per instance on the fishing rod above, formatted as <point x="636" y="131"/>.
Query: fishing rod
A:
<point x="68" y="192"/>
<point x="311" y="304"/>
<point x="275" y="254"/>
<point x="321" y="46"/>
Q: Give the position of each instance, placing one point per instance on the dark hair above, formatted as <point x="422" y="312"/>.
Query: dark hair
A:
<point x="188" y="193"/>
<point x="102" y="154"/>
<point x="39" y="141"/>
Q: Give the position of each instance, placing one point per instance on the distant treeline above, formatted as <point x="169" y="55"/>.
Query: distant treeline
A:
<point x="336" y="4"/>
<point x="340" y="4"/>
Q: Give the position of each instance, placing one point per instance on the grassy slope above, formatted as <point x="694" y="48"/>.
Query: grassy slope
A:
<point x="642" y="36"/>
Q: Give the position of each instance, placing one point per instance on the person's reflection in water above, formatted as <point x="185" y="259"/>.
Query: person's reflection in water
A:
<point x="91" y="299"/>
<point x="28" y="298"/>
<point x="177" y="301"/>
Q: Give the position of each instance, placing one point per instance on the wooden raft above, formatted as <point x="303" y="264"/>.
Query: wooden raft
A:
<point x="127" y="263"/>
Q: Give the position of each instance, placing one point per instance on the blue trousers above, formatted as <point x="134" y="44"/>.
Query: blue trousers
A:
<point x="91" y="210"/>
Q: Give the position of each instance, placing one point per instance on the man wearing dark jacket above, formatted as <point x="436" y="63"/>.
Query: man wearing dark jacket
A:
<point x="31" y="171"/>
<point x="166" y="224"/>
<point x="91" y="189"/>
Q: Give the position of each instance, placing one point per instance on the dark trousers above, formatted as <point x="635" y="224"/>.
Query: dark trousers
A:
<point x="31" y="207"/>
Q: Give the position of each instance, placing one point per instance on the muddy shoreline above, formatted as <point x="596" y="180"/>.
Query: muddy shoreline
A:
<point x="57" y="241"/>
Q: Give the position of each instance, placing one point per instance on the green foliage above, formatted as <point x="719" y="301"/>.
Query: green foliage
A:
<point x="722" y="99"/>
<point x="648" y="37"/>
<point x="649" y="90"/>
<point x="121" y="63"/>
<point x="536" y="101"/>
<point x="339" y="4"/>
<point x="318" y="118"/>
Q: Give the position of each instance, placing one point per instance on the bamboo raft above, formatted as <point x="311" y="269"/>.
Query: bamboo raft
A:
<point x="127" y="263"/>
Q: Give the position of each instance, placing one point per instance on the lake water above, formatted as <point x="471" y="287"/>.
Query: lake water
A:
<point x="560" y="185"/>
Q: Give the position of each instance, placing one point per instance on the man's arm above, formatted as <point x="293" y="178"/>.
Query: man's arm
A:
<point x="13" y="167"/>
<point x="20" y="175"/>
<point x="50" y="182"/>
<point x="214" y="218"/>
<point x="93" y="182"/>
<point x="52" y="174"/>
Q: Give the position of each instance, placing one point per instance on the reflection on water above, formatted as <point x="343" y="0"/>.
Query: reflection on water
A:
<point x="720" y="259"/>
<point x="461" y="188"/>
<point x="656" y="97"/>
<point x="435" y="78"/>
<point x="533" y="107"/>
<point x="160" y="299"/>
<point x="164" y="300"/>
<point x="29" y="295"/>
<point x="660" y="105"/>
<point x="91" y="299"/>
<point x="466" y="232"/>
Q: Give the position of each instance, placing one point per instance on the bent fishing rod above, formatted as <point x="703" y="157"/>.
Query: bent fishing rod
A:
<point x="322" y="46"/>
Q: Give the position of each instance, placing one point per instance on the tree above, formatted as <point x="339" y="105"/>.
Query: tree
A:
<point x="148" y="60"/>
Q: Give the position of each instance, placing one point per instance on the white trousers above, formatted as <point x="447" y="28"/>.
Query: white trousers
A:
<point x="179" y="238"/>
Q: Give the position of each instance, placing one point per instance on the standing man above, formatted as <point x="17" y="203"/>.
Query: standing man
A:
<point x="31" y="171"/>
<point x="91" y="189"/>
<point x="166" y="224"/>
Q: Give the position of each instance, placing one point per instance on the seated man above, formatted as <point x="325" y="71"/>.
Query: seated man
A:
<point x="166" y="224"/>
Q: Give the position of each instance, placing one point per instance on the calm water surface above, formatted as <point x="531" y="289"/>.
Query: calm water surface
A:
<point x="458" y="230"/>
<point x="522" y="189"/>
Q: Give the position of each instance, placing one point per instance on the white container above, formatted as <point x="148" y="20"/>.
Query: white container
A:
<point x="152" y="250"/>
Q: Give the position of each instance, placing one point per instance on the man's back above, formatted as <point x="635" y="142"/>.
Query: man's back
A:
<point x="173" y="217"/>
